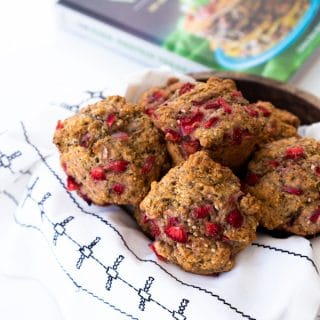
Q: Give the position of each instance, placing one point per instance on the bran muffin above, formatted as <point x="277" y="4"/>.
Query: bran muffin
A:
<point x="285" y="176"/>
<point x="111" y="152"/>
<point x="209" y="116"/>
<point x="198" y="216"/>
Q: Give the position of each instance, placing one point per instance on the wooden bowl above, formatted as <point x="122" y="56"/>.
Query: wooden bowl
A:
<point x="303" y="104"/>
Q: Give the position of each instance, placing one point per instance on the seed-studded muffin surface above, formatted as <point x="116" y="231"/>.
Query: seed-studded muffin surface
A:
<point x="111" y="152"/>
<point x="275" y="123"/>
<point x="285" y="176"/>
<point x="152" y="99"/>
<point x="198" y="216"/>
<point x="209" y="116"/>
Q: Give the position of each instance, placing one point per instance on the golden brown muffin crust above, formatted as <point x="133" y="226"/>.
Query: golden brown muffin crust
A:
<point x="209" y="116"/>
<point x="199" y="216"/>
<point x="111" y="152"/>
<point x="276" y="123"/>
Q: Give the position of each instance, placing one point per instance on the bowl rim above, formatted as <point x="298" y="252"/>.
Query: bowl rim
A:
<point x="286" y="88"/>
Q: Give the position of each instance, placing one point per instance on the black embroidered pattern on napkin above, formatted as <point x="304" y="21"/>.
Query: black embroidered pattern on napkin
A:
<point x="86" y="252"/>
<point x="91" y="97"/>
<point x="6" y="159"/>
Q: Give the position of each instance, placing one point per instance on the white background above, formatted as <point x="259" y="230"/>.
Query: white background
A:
<point x="38" y="62"/>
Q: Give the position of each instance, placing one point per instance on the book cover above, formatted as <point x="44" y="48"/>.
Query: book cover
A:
<point x="271" y="38"/>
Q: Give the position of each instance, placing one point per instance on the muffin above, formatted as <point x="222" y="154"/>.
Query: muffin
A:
<point x="285" y="176"/>
<point x="209" y="116"/>
<point x="198" y="216"/>
<point x="111" y="152"/>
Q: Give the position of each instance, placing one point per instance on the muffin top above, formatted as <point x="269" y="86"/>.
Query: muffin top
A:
<point x="209" y="112"/>
<point x="153" y="98"/>
<point x="275" y="123"/>
<point x="111" y="151"/>
<point x="198" y="215"/>
<point x="208" y="116"/>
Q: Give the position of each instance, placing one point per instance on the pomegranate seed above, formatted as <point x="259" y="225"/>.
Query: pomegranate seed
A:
<point x="85" y="140"/>
<point x="97" y="173"/>
<point x="215" y="105"/>
<point x="190" y="123"/>
<point x="265" y="112"/>
<point x="213" y="229"/>
<point x="225" y="239"/>
<point x="236" y="136"/>
<point x="191" y="146"/>
<point x="59" y="125"/>
<point x="117" y="166"/>
<point x="211" y="122"/>
<point x="251" y="111"/>
<point x="118" y="188"/>
<point x="172" y="135"/>
<point x="111" y="119"/>
<point x="186" y="130"/>
<point x="152" y="247"/>
<point x="72" y="185"/>
<point x="145" y="219"/>
<point x="177" y="233"/>
<point x="155" y="230"/>
<point x="190" y="119"/>
<point x="315" y="216"/>
<point x="235" y="218"/>
<point x="149" y="111"/>
<point x="120" y="135"/>
<point x="146" y="168"/>
<point x="186" y="87"/>
<point x="273" y="163"/>
<point x="202" y="212"/>
<point x="317" y="170"/>
<point x="225" y="105"/>
<point x="237" y="94"/>
<point x="252" y="179"/>
<point x="156" y="96"/>
<point x="294" y="153"/>
<point x="172" y="221"/>
<point x="292" y="190"/>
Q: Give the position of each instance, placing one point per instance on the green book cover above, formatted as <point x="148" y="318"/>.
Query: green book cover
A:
<point x="272" y="38"/>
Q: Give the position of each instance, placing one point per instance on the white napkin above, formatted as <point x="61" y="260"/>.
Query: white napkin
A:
<point x="94" y="263"/>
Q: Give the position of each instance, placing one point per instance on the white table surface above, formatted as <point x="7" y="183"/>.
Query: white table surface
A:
<point x="38" y="61"/>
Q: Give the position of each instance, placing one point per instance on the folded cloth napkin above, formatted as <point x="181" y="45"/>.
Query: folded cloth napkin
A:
<point x="96" y="264"/>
